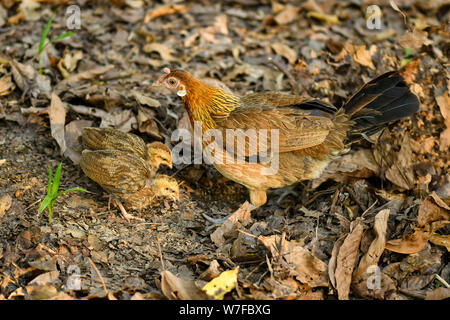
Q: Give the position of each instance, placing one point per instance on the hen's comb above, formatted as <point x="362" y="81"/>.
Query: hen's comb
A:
<point x="166" y="70"/>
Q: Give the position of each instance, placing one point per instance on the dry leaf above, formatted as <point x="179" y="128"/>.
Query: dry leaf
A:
<point x="410" y="243"/>
<point x="285" y="51"/>
<point x="287" y="15"/>
<point x="146" y="123"/>
<point x="327" y="18"/>
<point x="164" y="51"/>
<point x="414" y="40"/>
<point x="443" y="102"/>
<point x="175" y="288"/>
<point x="438" y="294"/>
<point x="224" y="283"/>
<point x="441" y="240"/>
<point x="376" y="248"/>
<point x="306" y="268"/>
<point x="6" y="85"/>
<point x="401" y="172"/>
<point x="143" y="99"/>
<point x="57" y="115"/>
<point x="364" y="56"/>
<point x="5" y="204"/>
<point x="432" y="209"/>
<point x="240" y="216"/>
<point x="73" y="131"/>
<point x="165" y="10"/>
<point x="346" y="260"/>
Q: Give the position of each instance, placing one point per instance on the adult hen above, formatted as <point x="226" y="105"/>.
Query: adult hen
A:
<point x="309" y="133"/>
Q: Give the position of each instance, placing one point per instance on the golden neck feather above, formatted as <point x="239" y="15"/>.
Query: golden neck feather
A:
<point x="206" y="103"/>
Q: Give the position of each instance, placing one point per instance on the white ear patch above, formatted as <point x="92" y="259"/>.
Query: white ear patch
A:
<point x="181" y="93"/>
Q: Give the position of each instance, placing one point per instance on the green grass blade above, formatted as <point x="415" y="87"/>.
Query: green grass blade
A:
<point x="45" y="203"/>
<point x="45" y="34"/>
<point x="72" y="189"/>
<point x="62" y="36"/>
<point x="56" y="180"/>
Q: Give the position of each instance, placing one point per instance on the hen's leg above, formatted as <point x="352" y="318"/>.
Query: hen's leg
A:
<point x="124" y="212"/>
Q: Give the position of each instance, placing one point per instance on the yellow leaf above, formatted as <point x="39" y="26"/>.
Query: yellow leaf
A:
<point x="218" y="287"/>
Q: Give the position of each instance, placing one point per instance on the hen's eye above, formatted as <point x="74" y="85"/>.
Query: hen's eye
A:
<point x="171" y="82"/>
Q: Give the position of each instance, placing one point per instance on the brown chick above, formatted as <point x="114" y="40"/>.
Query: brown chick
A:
<point x="128" y="177"/>
<point x="311" y="133"/>
<point x="155" y="153"/>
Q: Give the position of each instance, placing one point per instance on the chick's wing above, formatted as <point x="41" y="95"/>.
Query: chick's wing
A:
<point x="111" y="139"/>
<point x="116" y="171"/>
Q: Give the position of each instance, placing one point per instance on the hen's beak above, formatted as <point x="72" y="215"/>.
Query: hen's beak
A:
<point x="157" y="84"/>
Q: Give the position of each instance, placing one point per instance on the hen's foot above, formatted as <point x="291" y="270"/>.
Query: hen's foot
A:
<point x="125" y="214"/>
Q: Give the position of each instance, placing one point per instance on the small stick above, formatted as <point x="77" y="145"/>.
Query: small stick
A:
<point x="99" y="275"/>
<point x="283" y="69"/>
<point x="442" y="281"/>
<point x="160" y="254"/>
<point x="360" y="204"/>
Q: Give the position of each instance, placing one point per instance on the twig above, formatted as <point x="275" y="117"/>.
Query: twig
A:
<point x="99" y="275"/>
<point x="445" y="283"/>
<point x="360" y="204"/>
<point x="36" y="202"/>
<point x="160" y="254"/>
<point x="283" y="69"/>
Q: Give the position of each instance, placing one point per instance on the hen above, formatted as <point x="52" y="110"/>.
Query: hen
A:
<point x="128" y="177"/>
<point x="309" y="133"/>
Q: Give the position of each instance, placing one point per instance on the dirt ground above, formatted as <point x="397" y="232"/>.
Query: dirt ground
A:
<point x="311" y="243"/>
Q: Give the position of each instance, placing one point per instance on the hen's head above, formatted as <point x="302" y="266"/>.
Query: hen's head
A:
<point x="158" y="154"/>
<point x="166" y="186"/>
<point x="177" y="81"/>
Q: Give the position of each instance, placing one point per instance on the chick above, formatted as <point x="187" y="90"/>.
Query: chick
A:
<point x="128" y="178"/>
<point x="155" y="153"/>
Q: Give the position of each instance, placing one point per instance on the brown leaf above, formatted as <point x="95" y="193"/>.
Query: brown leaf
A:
<point x="164" y="51"/>
<point x="346" y="260"/>
<point x="146" y="123"/>
<point x="376" y="248"/>
<point x="433" y="209"/>
<point x="400" y="172"/>
<point x="5" y="204"/>
<point x="441" y="240"/>
<point x="175" y="288"/>
<point x="240" y="216"/>
<point x="285" y="51"/>
<point x="57" y="115"/>
<point x="73" y="131"/>
<point x="438" y="294"/>
<point x="165" y="10"/>
<point x="414" y="40"/>
<point x="361" y="55"/>
<point x="6" y="85"/>
<point x="287" y="15"/>
<point x="410" y="243"/>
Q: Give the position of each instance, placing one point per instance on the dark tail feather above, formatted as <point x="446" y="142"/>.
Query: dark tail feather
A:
<point x="380" y="101"/>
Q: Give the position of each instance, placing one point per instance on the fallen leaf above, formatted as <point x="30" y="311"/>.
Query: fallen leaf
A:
<point x="414" y="40"/>
<point x="175" y="288"/>
<point x="73" y="131"/>
<point x="441" y="240"/>
<point x="164" y="51"/>
<point x="364" y="56"/>
<point x="6" y="85"/>
<point x="327" y="18"/>
<point x="146" y="123"/>
<point x="432" y="209"/>
<point x="240" y="216"/>
<point x="438" y="294"/>
<point x="306" y="268"/>
<point x="410" y="243"/>
<point x="69" y="62"/>
<point x="5" y="204"/>
<point x="285" y="51"/>
<point x="165" y="10"/>
<point x="346" y="260"/>
<point x="400" y="170"/>
<point x="143" y="99"/>
<point x="287" y="15"/>
<point x="57" y="115"/>
<point x="224" y="283"/>
<point x="376" y="248"/>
